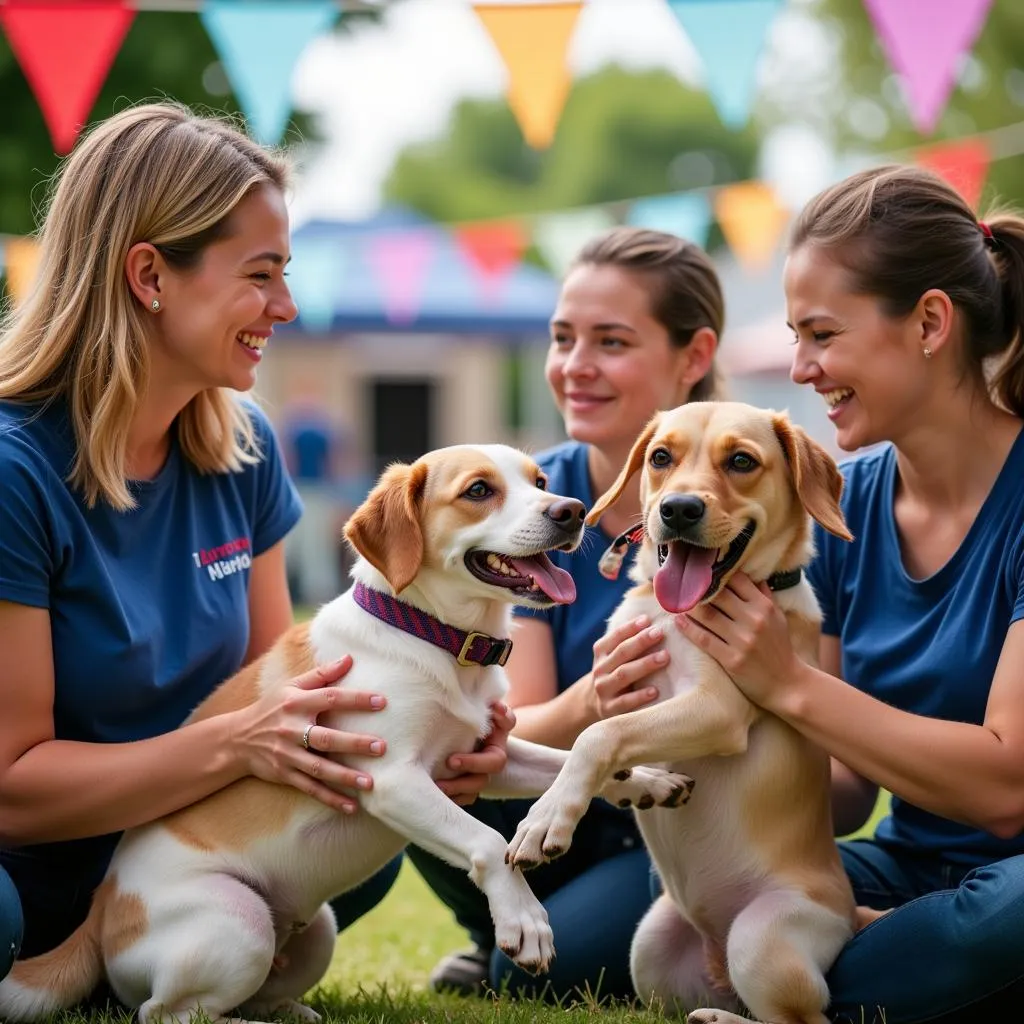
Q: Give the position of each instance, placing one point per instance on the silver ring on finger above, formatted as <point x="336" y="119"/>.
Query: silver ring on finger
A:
<point x="305" y="735"/>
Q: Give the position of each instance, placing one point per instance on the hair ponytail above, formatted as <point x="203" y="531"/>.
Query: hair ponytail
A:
<point x="1007" y="246"/>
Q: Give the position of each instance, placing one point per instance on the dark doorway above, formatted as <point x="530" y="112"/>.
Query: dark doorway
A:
<point x="403" y="419"/>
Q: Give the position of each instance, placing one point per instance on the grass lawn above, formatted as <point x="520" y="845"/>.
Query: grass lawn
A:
<point x="381" y="965"/>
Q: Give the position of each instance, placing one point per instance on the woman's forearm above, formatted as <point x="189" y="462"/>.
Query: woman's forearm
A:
<point x="556" y="722"/>
<point x="956" y="770"/>
<point x="60" y="790"/>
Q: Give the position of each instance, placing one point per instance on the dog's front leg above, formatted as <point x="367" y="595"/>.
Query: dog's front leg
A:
<point x="700" y="722"/>
<point x="532" y="768"/>
<point x="408" y="801"/>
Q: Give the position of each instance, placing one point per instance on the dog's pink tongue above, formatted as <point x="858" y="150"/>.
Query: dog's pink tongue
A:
<point x="555" y="582"/>
<point x="684" y="578"/>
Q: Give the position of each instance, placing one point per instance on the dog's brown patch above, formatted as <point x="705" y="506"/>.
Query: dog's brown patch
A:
<point x="125" y="921"/>
<point x="235" y="816"/>
<point x="116" y="920"/>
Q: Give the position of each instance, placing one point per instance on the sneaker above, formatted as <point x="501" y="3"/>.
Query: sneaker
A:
<point x="466" y="973"/>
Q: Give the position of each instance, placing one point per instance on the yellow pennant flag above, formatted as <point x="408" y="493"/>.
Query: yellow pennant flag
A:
<point x="21" y="261"/>
<point x="532" y="40"/>
<point x="752" y="219"/>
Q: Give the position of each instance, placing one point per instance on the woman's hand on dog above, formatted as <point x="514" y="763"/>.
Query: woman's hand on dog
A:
<point x="273" y="727"/>
<point x="488" y="759"/>
<point x="745" y="631"/>
<point x="623" y="658"/>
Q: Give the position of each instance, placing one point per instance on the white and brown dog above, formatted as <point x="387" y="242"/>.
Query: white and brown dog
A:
<point x="756" y="904"/>
<point x="222" y="905"/>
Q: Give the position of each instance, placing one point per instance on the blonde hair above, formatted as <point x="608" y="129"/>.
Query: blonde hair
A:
<point x="686" y="294"/>
<point x="156" y="173"/>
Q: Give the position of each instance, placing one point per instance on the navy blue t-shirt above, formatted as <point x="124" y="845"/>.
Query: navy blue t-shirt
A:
<point x="926" y="646"/>
<point x="578" y="626"/>
<point x="148" y="608"/>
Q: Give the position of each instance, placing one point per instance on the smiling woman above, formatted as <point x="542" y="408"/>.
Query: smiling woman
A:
<point x="635" y="330"/>
<point x="143" y="513"/>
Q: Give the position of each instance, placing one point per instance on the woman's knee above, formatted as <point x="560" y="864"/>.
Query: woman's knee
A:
<point x="12" y="923"/>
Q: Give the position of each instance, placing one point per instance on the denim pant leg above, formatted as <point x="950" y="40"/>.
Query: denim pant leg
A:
<point x="950" y="955"/>
<point x="12" y="923"/>
<point x="352" y="905"/>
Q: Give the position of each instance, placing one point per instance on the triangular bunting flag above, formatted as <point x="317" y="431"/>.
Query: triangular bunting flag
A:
<point x="752" y="219"/>
<point x="493" y="250"/>
<point x="924" y="40"/>
<point x="686" y="214"/>
<point x="400" y="260"/>
<point x="963" y="163"/>
<point x="314" y="278"/>
<point x="259" y="42"/>
<point x="532" y="40"/>
<point x="560" y="236"/>
<point x="65" y="50"/>
<point x="729" y="36"/>
<point x="21" y="256"/>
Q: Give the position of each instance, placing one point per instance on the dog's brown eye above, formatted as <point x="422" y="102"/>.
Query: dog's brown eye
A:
<point x="477" y="491"/>
<point x="660" y="458"/>
<point x="741" y="462"/>
<point x="542" y="483"/>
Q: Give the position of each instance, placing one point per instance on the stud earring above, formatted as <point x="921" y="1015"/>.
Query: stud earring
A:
<point x="155" y="305"/>
<point x="926" y="352"/>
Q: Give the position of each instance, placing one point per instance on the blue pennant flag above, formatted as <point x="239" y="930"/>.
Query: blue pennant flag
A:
<point x="729" y="36"/>
<point x="314" y="278"/>
<point x="686" y="214"/>
<point x="259" y="43"/>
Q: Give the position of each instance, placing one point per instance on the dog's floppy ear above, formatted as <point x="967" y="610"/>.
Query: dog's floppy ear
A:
<point x="386" y="528"/>
<point x="633" y="463"/>
<point x="817" y="479"/>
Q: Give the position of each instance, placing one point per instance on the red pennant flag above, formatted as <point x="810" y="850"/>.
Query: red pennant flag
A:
<point x="964" y="164"/>
<point x="493" y="249"/>
<point x="65" y="50"/>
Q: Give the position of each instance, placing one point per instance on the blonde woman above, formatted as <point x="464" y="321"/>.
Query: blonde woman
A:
<point x="143" y="514"/>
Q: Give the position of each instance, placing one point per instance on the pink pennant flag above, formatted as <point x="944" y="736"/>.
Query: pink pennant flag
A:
<point x="400" y="260"/>
<point x="924" y="40"/>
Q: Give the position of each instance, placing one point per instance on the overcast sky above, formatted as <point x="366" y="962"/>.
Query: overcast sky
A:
<point x="380" y="87"/>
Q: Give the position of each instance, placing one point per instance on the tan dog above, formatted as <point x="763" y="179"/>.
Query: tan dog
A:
<point x="756" y="901"/>
<point x="223" y="904"/>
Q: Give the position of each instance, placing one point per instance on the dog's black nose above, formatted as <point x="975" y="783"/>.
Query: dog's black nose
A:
<point x="680" y="511"/>
<point x="567" y="512"/>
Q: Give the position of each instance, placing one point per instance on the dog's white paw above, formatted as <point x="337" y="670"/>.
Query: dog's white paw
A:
<point x="288" y="1009"/>
<point x="709" y="1016"/>
<point x="644" y="787"/>
<point x="524" y="935"/>
<point x="546" y="831"/>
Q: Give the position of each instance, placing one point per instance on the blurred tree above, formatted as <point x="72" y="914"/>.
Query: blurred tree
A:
<point x="858" y="104"/>
<point x="164" y="55"/>
<point x="621" y="135"/>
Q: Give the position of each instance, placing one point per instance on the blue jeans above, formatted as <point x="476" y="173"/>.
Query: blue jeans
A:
<point x="40" y="906"/>
<point x="595" y="896"/>
<point x="951" y="953"/>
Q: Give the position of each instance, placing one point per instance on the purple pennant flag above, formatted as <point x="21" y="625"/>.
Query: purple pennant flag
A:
<point x="923" y="41"/>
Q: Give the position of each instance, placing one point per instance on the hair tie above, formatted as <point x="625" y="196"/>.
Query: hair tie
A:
<point x="990" y="239"/>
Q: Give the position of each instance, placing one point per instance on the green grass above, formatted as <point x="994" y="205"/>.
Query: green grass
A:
<point x="382" y="963"/>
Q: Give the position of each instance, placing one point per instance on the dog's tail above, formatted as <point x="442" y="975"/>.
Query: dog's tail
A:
<point x="60" y="978"/>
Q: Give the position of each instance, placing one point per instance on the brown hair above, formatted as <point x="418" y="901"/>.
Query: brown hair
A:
<point x="900" y="231"/>
<point x="686" y="294"/>
<point x="156" y="173"/>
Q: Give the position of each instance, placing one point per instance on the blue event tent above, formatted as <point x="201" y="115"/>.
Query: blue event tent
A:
<point x="334" y="279"/>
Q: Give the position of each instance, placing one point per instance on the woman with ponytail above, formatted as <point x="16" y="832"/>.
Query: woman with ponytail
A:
<point x="908" y="316"/>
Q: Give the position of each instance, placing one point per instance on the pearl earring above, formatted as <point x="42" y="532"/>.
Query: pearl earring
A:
<point x="926" y="352"/>
<point x="155" y="305"/>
